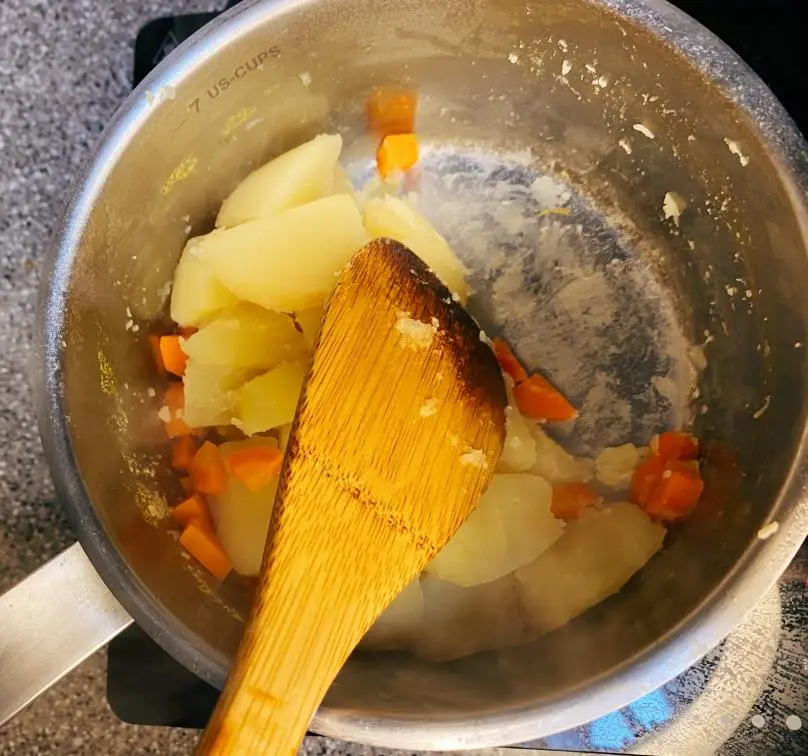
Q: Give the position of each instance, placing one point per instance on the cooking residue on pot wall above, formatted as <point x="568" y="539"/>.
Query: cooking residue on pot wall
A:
<point x="735" y="149"/>
<point x="609" y="335"/>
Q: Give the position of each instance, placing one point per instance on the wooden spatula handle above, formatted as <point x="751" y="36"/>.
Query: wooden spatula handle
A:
<point x="288" y="657"/>
<point x="373" y="485"/>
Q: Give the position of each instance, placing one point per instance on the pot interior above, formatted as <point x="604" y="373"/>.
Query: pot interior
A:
<point x="644" y="321"/>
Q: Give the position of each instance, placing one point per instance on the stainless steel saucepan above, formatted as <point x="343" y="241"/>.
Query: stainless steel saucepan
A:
<point x="630" y="200"/>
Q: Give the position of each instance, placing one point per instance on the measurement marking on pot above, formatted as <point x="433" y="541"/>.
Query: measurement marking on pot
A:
<point x="241" y="71"/>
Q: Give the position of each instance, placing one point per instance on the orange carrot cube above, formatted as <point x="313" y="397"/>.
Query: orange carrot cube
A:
<point x="205" y="547"/>
<point x="182" y="451"/>
<point x="397" y="152"/>
<point x="154" y="345"/>
<point x="254" y="466"/>
<point x="207" y="471"/>
<point x="571" y="499"/>
<point x="645" y="478"/>
<point x="174" y="358"/>
<point x="676" y="492"/>
<point x="193" y="509"/>
<point x="540" y="400"/>
<point x="392" y="111"/>
<point x="508" y="361"/>
<point x="677" y="445"/>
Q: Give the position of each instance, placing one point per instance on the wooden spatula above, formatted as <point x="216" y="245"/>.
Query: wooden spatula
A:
<point x="398" y="430"/>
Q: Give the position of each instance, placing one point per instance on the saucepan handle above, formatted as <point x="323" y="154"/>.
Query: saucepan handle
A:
<point x="49" y="623"/>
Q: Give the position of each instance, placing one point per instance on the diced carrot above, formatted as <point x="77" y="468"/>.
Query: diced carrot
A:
<point x="182" y="452"/>
<point x="508" y="361"/>
<point x="645" y="477"/>
<point x="676" y="492"/>
<point x="204" y="546"/>
<point x="539" y="400"/>
<point x="676" y="445"/>
<point x="174" y="399"/>
<point x="206" y="470"/>
<point x="173" y="357"/>
<point x="392" y="111"/>
<point x="570" y="499"/>
<point x="154" y="345"/>
<point x="193" y="509"/>
<point x="254" y="466"/>
<point x="397" y="152"/>
<point x="186" y="485"/>
<point x="186" y="331"/>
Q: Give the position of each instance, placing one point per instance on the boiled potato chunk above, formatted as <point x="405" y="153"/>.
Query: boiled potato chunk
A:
<point x="519" y="449"/>
<point x="241" y="518"/>
<point x="555" y="464"/>
<point x="595" y="557"/>
<point x="303" y="174"/>
<point x="460" y="621"/>
<point x="478" y="552"/>
<point x="196" y="293"/>
<point x="398" y="625"/>
<point x="310" y="321"/>
<point x="290" y="260"/>
<point x="615" y="465"/>
<point x="398" y="219"/>
<point x="524" y="503"/>
<point x="210" y="393"/>
<point x="246" y="336"/>
<point x="342" y="184"/>
<point x="510" y="527"/>
<point x="284" y="434"/>
<point x="270" y="400"/>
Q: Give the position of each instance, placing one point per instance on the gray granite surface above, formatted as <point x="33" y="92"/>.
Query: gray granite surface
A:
<point x="65" y="65"/>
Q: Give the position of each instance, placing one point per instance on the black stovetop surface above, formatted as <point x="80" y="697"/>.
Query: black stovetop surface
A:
<point x="749" y="695"/>
<point x="742" y="699"/>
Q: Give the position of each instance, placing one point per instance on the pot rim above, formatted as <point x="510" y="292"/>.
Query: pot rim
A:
<point x="697" y="633"/>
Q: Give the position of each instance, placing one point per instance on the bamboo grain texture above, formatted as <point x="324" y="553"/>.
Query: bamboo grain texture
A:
<point x="399" y="428"/>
